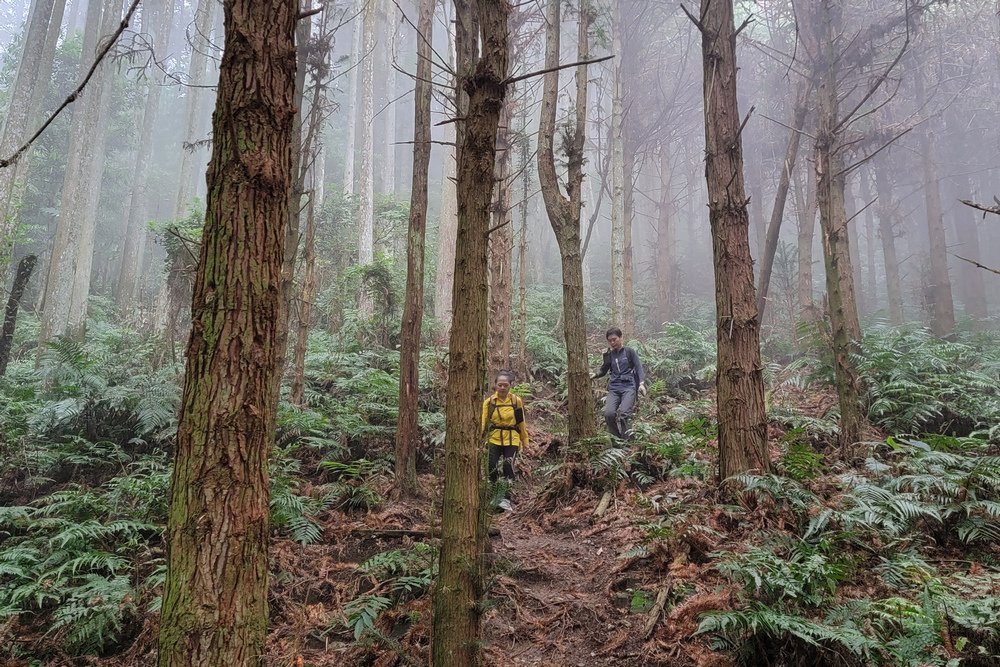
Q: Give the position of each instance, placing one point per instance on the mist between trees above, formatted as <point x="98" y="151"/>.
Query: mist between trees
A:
<point x="231" y="189"/>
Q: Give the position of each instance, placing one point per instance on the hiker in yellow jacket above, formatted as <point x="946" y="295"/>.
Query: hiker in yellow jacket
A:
<point x="505" y="430"/>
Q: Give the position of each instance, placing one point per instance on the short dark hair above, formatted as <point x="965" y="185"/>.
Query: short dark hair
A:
<point x="505" y="374"/>
<point x="613" y="331"/>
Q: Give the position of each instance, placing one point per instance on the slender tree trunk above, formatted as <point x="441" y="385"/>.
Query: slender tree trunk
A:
<point x="388" y="138"/>
<point x="215" y="595"/>
<point x="16" y="121"/>
<point x="501" y="251"/>
<point x="778" y="211"/>
<point x="942" y="305"/>
<point x="564" y="214"/>
<point x="846" y="328"/>
<point x="460" y="586"/>
<point x="628" y="264"/>
<point x="24" y="269"/>
<point x="407" y="429"/>
<point x="806" y="206"/>
<point x="522" y="251"/>
<point x="868" y="286"/>
<point x="195" y="96"/>
<point x="366" y="182"/>
<point x="357" y="53"/>
<point x="739" y="381"/>
<point x="664" y="243"/>
<point x="970" y="277"/>
<point x="135" y="227"/>
<point x="885" y="208"/>
<point x="308" y="294"/>
<point x="617" y="172"/>
<point x="448" y="223"/>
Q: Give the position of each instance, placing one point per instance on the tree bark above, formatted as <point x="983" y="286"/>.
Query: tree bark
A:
<point x="806" y="208"/>
<point x="564" y="214"/>
<point x="366" y="181"/>
<point x="501" y="252"/>
<point x="846" y="328"/>
<point x="215" y="595"/>
<point x="664" y="244"/>
<point x="739" y="381"/>
<point x="24" y="269"/>
<point x="617" y="141"/>
<point x="524" y="143"/>
<point x="460" y="585"/>
<point x="778" y="210"/>
<point x="357" y="53"/>
<point x="407" y="429"/>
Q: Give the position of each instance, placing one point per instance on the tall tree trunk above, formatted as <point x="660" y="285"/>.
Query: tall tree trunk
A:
<point x="628" y="262"/>
<point x="739" y="381"/>
<point x="41" y="23"/>
<point x="459" y="587"/>
<point x="357" y="53"/>
<point x="501" y="251"/>
<point x="448" y="222"/>
<point x="366" y="182"/>
<point x="846" y="328"/>
<point x="806" y="207"/>
<point x="942" y="305"/>
<point x="24" y="269"/>
<point x="160" y="23"/>
<point x="617" y="172"/>
<point x="407" y="429"/>
<point x="564" y="213"/>
<point x="215" y="595"/>
<point x="195" y="98"/>
<point x="388" y="137"/>
<point x="971" y="284"/>
<point x="308" y="294"/>
<point x="868" y="286"/>
<point x="885" y="208"/>
<point x="524" y="143"/>
<point x="778" y="210"/>
<point x="68" y="281"/>
<point x="664" y="243"/>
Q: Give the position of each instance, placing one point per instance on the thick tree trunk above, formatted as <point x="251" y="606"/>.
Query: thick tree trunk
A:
<point x="739" y="381"/>
<point x="664" y="244"/>
<point x="407" y="430"/>
<point x="460" y="586"/>
<point x="161" y="18"/>
<point x="778" y="210"/>
<point x="15" y="123"/>
<point x="846" y="328"/>
<point x="885" y="208"/>
<point x="564" y="215"/>
<point x="215" y="595"/>
<point x="24" y="269"/>
<point x="501" y="252"/>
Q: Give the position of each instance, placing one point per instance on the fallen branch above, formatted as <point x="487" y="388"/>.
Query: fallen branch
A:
<point x="654" y="613"/>
<point x="602" y="506"/>
<point x="408" y="532"/>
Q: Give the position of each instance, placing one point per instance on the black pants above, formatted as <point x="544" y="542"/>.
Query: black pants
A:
<point x="507" y="452"/>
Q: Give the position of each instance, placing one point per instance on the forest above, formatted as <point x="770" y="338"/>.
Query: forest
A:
<point x="500" y="332"/>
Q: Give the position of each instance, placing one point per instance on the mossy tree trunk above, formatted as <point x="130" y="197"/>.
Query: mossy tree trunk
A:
<point x="739" y="381"/>
<point x="215" y="596"/>
<point x="459" y="586"/>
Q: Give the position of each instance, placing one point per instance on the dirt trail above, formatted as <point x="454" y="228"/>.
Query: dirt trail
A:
<point x="556" y="578"/>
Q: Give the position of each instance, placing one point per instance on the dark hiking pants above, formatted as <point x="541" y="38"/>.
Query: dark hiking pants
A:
<point x="507" y="453"/>
<point x="617" y="410"/>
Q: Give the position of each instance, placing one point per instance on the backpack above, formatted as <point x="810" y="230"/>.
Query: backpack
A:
<point x="518" y="413"/>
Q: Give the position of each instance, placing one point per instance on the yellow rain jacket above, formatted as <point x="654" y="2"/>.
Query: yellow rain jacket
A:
<point x="504" y="427"/>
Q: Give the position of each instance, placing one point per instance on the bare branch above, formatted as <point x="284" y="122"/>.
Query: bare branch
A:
<point x="977" y="264"/>
<point x="110" y="41"/>
<point x="995" y="210"/>
<point x="555" y="69"/>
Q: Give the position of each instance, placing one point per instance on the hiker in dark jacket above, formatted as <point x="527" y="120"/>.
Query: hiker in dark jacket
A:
<point x="627" y="378"/>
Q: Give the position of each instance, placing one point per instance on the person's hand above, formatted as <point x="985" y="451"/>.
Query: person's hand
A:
<point x="642" y="388"/>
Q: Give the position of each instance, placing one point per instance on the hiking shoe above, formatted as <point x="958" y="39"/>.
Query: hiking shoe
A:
<point x="505" y="505"/>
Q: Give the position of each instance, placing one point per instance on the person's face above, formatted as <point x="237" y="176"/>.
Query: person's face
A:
<point x="503" y="386"/>
<point x="615" y="342"/>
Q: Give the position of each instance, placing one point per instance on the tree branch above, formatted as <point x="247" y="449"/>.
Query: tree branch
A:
<point x="522" y="77"/>
<point x="977" y="264"/>
<point x="7" y="162"/>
